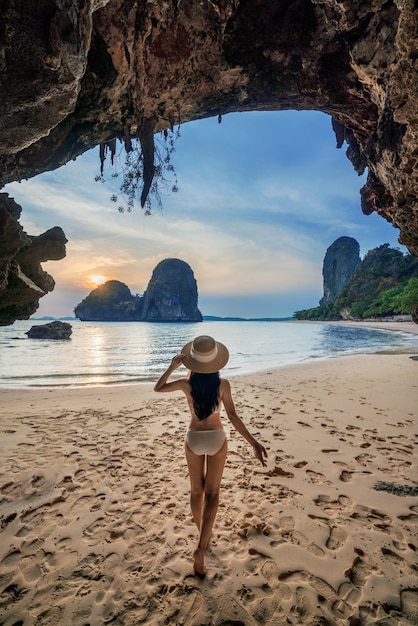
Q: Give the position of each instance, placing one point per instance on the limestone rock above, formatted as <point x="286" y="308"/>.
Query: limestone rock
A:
<point x="22" y="280"/>
<point x="171" y="295"/>
<point x="53" y="330"/>
<point x="111" y="302"/>
<point x="341" y="259"/>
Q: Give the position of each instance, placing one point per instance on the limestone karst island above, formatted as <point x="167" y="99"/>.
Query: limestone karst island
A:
<point x="171" y="296"/>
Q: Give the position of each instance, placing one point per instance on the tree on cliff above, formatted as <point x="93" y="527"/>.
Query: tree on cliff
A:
<point x="382" y="269"/>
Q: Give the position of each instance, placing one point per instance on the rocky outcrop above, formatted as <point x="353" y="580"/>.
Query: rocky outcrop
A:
<point x="54" y="330"/>
<point x="340" y="261"/>
<point x="22" y="280"/>
<point x="171" y="296"/>
<point x="88" y="72"/>
<point x="111" y="302"/>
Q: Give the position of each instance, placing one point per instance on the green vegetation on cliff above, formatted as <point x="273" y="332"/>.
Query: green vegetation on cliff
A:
<point x="110" y="302"/>
<point x="384" y="284"/>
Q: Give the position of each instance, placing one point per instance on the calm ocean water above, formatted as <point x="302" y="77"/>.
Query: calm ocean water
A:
<point x="101" y="353"/>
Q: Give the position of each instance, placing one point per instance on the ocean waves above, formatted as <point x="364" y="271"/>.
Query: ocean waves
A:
<point x="102" y="353"/>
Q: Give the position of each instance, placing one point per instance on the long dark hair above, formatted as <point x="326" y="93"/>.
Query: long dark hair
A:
<point x="205" y="393"/>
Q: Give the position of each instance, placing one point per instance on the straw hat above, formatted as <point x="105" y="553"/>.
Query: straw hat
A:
<point x="204" y="355"/>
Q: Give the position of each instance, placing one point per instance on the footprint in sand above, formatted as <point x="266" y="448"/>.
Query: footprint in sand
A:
<point x="300" y="464"/>
<point x="290" y="535"/>
<point x="30" y="569"/>
<point x="361" y="569"/>
<point x="31" y="547"/>
<point x="397" y="536"/>
<point x="269" y="611"/>
<point x="96" y="532"/>
<point x="346" y="476"/>
<point x="337" y="536"/>
<point x="310" y="591"/>
<point x="401" y="564"/>
<point x="278" y="471"/>
<point x="409" y="604"/>
<point x="368" y="516"/>
<point x="317" y="477"/>
<point x="364" y="459"/>
<point x="334" y="506"/>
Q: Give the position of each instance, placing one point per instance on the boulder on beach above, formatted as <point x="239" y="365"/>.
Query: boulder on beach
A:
<point x="53" y="330"/>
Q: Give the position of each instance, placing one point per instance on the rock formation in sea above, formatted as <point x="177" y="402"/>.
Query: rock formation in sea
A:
<point x="341" y="259"/>
<point x="83" y="73"/>
<point x="111" y="302"/>
<point x="171" y="296"/>
<point x="54" y="330"/>
<point x="22" y="280"/>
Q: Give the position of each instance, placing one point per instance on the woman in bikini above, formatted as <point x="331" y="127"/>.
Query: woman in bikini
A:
<point x="206" y="443"/>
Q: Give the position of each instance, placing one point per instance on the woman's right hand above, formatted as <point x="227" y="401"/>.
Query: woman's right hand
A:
<point x="260" y="453"/>
<point x="177" y="360"/>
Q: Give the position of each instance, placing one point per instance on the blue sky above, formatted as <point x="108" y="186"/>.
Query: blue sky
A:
<point x="261" y="197"/>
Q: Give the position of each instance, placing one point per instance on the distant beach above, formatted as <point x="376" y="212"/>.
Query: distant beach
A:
<point x="405" y="327"/>
<point x="95" y="519"/>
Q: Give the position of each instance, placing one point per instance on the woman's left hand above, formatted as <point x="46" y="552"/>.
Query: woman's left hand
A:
<point x="260" y="453"/>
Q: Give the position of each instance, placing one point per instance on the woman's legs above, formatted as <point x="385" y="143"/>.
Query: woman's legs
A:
<point x="205" y="490"/>
<point x="196" y="466"/>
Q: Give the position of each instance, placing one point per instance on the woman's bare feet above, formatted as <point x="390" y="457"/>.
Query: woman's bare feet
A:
<point x="199" y="563"/>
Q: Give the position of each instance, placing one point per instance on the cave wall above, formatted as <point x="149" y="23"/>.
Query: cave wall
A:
<point x="22" y="280"/>
<point x="76" y="73"/>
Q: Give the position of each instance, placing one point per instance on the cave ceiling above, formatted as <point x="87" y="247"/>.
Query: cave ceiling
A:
<point x="78" y="73"/>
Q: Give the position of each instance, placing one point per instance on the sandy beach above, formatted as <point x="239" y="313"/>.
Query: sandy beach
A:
<point x="95" y="519"/>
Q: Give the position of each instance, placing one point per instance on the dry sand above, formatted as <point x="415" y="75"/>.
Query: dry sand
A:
<point x="95" y="520"/>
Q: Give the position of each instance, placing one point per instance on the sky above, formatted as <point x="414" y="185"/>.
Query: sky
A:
<point x="261" y="196"/>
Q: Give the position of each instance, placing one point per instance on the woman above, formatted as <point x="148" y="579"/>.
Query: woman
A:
<point x="206" y="443"/>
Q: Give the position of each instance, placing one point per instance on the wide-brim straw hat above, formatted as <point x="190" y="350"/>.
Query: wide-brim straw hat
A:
<point x="204" y="355"/>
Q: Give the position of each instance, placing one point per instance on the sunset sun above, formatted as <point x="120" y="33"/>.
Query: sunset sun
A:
<point x="97" y="279"/>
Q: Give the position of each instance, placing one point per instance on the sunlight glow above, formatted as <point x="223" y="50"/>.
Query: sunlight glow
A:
<point x="97" y="280"/>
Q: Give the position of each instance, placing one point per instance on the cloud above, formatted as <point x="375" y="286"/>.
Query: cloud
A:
<point x="261" y="197"/>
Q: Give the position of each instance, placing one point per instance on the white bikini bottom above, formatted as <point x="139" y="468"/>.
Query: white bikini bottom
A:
<point x="205" y="441"/>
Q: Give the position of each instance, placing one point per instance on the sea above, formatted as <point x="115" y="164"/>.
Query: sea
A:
<point x="117" y="353"/>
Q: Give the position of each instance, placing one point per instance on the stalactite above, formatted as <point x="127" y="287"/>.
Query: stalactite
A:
<point x="146" y="137"/>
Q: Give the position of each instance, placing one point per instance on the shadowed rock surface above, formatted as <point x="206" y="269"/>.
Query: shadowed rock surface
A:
<point x="340" y="261"/>
<point x="171" y="296"/>
<point x="53" y="330"/>
<point x="111" y="302"/>
<point x="88" y="72"/>
<point x="22" y="280"/>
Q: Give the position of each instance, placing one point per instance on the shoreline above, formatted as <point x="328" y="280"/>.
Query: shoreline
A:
<point x="404" y="327"/>
<point x="94" y="502"/>
<point x="409" y="328"/>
